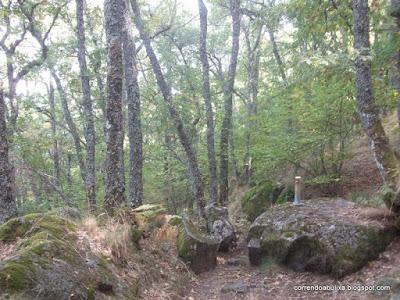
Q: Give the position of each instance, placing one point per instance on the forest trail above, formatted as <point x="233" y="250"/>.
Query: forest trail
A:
<point x="271" y="281"/>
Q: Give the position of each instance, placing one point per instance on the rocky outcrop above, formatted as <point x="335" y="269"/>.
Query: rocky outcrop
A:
<point x="196" y="248"/>
<point x="325" y="236"/>
<point x="49" y="264"/>
<point x="260" y="197"/>
<point x="221" y="227"/>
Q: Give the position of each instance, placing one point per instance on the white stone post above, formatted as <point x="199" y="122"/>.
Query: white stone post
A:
<point x="298" y="189"/>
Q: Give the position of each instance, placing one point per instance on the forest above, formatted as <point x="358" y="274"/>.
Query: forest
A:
<point x="199" y="149"/>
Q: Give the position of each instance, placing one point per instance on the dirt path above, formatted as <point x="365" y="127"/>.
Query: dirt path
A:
<point x="275" y="282"/>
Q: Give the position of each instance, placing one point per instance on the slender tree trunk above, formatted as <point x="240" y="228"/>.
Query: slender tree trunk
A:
<point x="194" y="171"/>
<point x="134" y="124"/>
<point x="228" y="95"/>
<point x="8" y="207"/>
<point x="114" y="12"/>
<point x="169" y="186"/>
<point x="90" y="135"/>
<point x="253" y="70"/>
<point x="368" y="111"/>
<point x="55" y="151"/>
<point x="212" y="162"/>
<point x="12" y="93"/>
<point x="96" y="62"/>
<point x="71" y="124"/>
<point x="69" y="168"/>
<point x="277" y="55"/>
<point x="233" y="157"/>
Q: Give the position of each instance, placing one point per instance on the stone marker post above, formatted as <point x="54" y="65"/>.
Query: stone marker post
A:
<point x="298" y="189"/>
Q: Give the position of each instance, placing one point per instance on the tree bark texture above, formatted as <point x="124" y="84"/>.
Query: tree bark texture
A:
<point x="8" y="207"/>
<point x="89" y="128"/>
<point x="212" y="162"/>
<point x="368" y="111"/>
<point x="114" y="12"/>
<point x="135" y="181"/>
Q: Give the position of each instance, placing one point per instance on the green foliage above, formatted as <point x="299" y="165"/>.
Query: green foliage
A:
<point x="304" y="122"/>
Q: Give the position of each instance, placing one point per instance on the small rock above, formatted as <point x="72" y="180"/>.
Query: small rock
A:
<point x="221" y="227"/>
<point x="235" y="287"/>
<point x="234" y="262"/>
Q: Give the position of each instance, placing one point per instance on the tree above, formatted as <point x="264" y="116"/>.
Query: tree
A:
<point x="134" y="124"/>
<point x="250" y="101"/>
<point x="25" y="17"/>
<point x="90" y="135"/>
<point x="8" y="206"/>
<point x="114" y="13"/>
<point x="395" y="12"/>
<point x="368" y="110"/>
<point x="228" y="90"/>
<point x="194" y="171"/>
<point x="70" y="123"/>
<point x="53" y="123"/>
<point x="212" y="162"/>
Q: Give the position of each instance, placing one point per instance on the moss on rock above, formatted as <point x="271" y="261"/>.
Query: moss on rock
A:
<point x="196" y="248"/>
<point x="14" y="275"/>
<point x="28" y="225"/>
<point x="324" y="236"/>
<point x="260" y="197"/>
<point x="49" y="261"/>
<point x="175" y="220"/>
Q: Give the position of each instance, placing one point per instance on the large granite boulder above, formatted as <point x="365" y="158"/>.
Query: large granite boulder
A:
<point x="196" y="248"/>
<point x="221" y="227"/>
<point x="260" y="197"/>
<point x="326" y="236"/>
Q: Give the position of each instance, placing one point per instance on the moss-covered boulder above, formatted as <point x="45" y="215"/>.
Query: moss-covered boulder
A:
<point x="326" y="236"/>
<point x="196" y="248"/>
<point x="174" y="220"/>
<point x="48" y="263"/>
<point x="260" y="197"/>
<point x="150" y="216"/>
<point x="70" y="213"/>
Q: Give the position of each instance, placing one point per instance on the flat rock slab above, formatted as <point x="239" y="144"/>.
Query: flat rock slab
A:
<point x="328" y="236"/>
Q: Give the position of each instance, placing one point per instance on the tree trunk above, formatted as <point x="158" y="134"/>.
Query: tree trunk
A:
<point x="277" y="55"/>
<point x="194" y="171"/>
<point x="89" y="129"/>
<point x="114" y="12"/>
<point x="96" y="62"/>
<point x="69" y="168"/>
<point x="71" y="124"/>
<point x="228" y="95"/>
<point x="55" y="151"/>
<point x="395" y="13"/>
<point x="8" y="207"/>
<point x="253" y="70"/>
<point x="368" y="111"/>
<point x="168" y="176"/>
<point x="212" y="162"/>
<point x="134" y="125"/>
